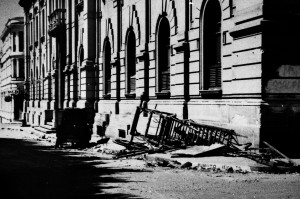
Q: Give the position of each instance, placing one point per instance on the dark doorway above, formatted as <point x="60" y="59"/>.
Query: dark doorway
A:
<point x="18" y="106"/>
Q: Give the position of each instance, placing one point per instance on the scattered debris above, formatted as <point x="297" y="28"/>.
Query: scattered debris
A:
<point x="281" y="154"/>
<point x="103" y="140"/>
<point x="187" y="138"/>
<point x="186" y="165"/>
<point x="200" y="151"/>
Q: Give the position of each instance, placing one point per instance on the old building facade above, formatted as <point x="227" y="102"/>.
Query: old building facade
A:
<point x="230" y="63"/>
<point x="12" y="70"/>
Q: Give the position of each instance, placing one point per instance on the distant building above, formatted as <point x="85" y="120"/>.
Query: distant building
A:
<point x="12" y="70"/>
<point x="230" y="63"/>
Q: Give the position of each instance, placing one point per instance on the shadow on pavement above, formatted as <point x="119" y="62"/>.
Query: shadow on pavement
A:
<point x="30" y="170"/>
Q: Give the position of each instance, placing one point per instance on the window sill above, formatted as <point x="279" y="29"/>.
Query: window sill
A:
<point x="163" y="95"/>
<point x="211" y="93"/>
<point x="106" y="96"/>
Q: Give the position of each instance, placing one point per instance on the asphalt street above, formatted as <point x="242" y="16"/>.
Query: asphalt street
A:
<point x="31" y="170"/>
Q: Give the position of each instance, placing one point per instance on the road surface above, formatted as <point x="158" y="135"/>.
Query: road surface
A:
<point x="31" y="168"/>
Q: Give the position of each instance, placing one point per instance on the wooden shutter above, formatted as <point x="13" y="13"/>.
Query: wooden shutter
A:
<point x="165" y="80"/>
<point x="132" y="84"/>
<point x="215" y="76"/>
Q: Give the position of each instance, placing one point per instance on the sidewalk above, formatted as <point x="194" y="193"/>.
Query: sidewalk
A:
<point x="214" y="163"/>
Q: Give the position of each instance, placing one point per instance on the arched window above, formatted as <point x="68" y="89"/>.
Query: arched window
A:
<point x="163" y="56"/>
<point x="107" y="67"/>
<point x="31" y="75"/>
<point x="32" y="72"/>
<point x="14" y="42"/>
<point x="36" y="28"/>
<point x="37" y="73"/>
<point x="32" y="85"/>
<point x="43" y="71"/>
<point x="53" y="64"/>
<point x="130" y="62"/>
<point x="212" y="45"/>
<point x="79" y="82"/>
<point x="21" y="41"/>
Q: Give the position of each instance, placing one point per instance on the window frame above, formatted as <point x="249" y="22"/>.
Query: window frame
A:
<point x="206" y="68"/>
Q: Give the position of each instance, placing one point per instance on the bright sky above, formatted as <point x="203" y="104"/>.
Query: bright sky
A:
<point x="9" y="9"/>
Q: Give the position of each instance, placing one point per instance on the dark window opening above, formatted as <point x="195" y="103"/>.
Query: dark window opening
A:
<point x="107" y="67"/>
<point x="36" y="28"/>
<point x="43" y="71"/>
<point x="212" y="45"/>
<point x="163" y="56"/>
<point x="43" y="22"/>
<point x="37" y="73"/>
<point x="31" y="33"/>
<point x="21" y="41"/>
<point x="81" y="56"/>
<point x="21" y="68"/>
<point x="15" y="68"/>
<point x="14" y="42"/>
<point x="131" y="63"/>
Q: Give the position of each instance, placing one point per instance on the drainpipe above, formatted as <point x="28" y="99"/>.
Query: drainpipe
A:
<point x="61" y="52"/>
<point x="146" y="55"/>
<point x="119" y="40"/>
<point x="26" y="69"/>
<point x="98" y="44"/>
<point x="186" y="47"/>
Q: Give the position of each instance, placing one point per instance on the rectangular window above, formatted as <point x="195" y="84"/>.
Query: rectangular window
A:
<point x="31" y="33"/>
<point x="43" y="22"/>
<point x="14" y="68"/>
<point x="21" y="41"/>
<point x="232" y="7"/>
<point x="14" y="42"/>
<point x="36" y="28"/>
<point x="21" y="68"/>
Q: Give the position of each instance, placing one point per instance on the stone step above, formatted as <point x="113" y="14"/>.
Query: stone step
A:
<point x="44" y="130"/>
<point x="50" y="123"/>
<point x="48" y="126"/>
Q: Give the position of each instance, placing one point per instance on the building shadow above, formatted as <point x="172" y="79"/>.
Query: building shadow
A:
<point x="30" y="170"/>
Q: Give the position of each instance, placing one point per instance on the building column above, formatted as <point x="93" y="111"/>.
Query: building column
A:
<point x="66" y="75"/>
<point x="73" y="86"/>
<point x="87" y="91"/>
<point x="87" y="70"/>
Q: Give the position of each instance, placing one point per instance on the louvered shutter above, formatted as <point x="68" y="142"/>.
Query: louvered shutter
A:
<point x="215" y="76"/>
<point x="132" y="84"/>
<point x="165" y="80"/>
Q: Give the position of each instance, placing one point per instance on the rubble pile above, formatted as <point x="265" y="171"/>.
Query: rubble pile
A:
<point x="186" y="138"/>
